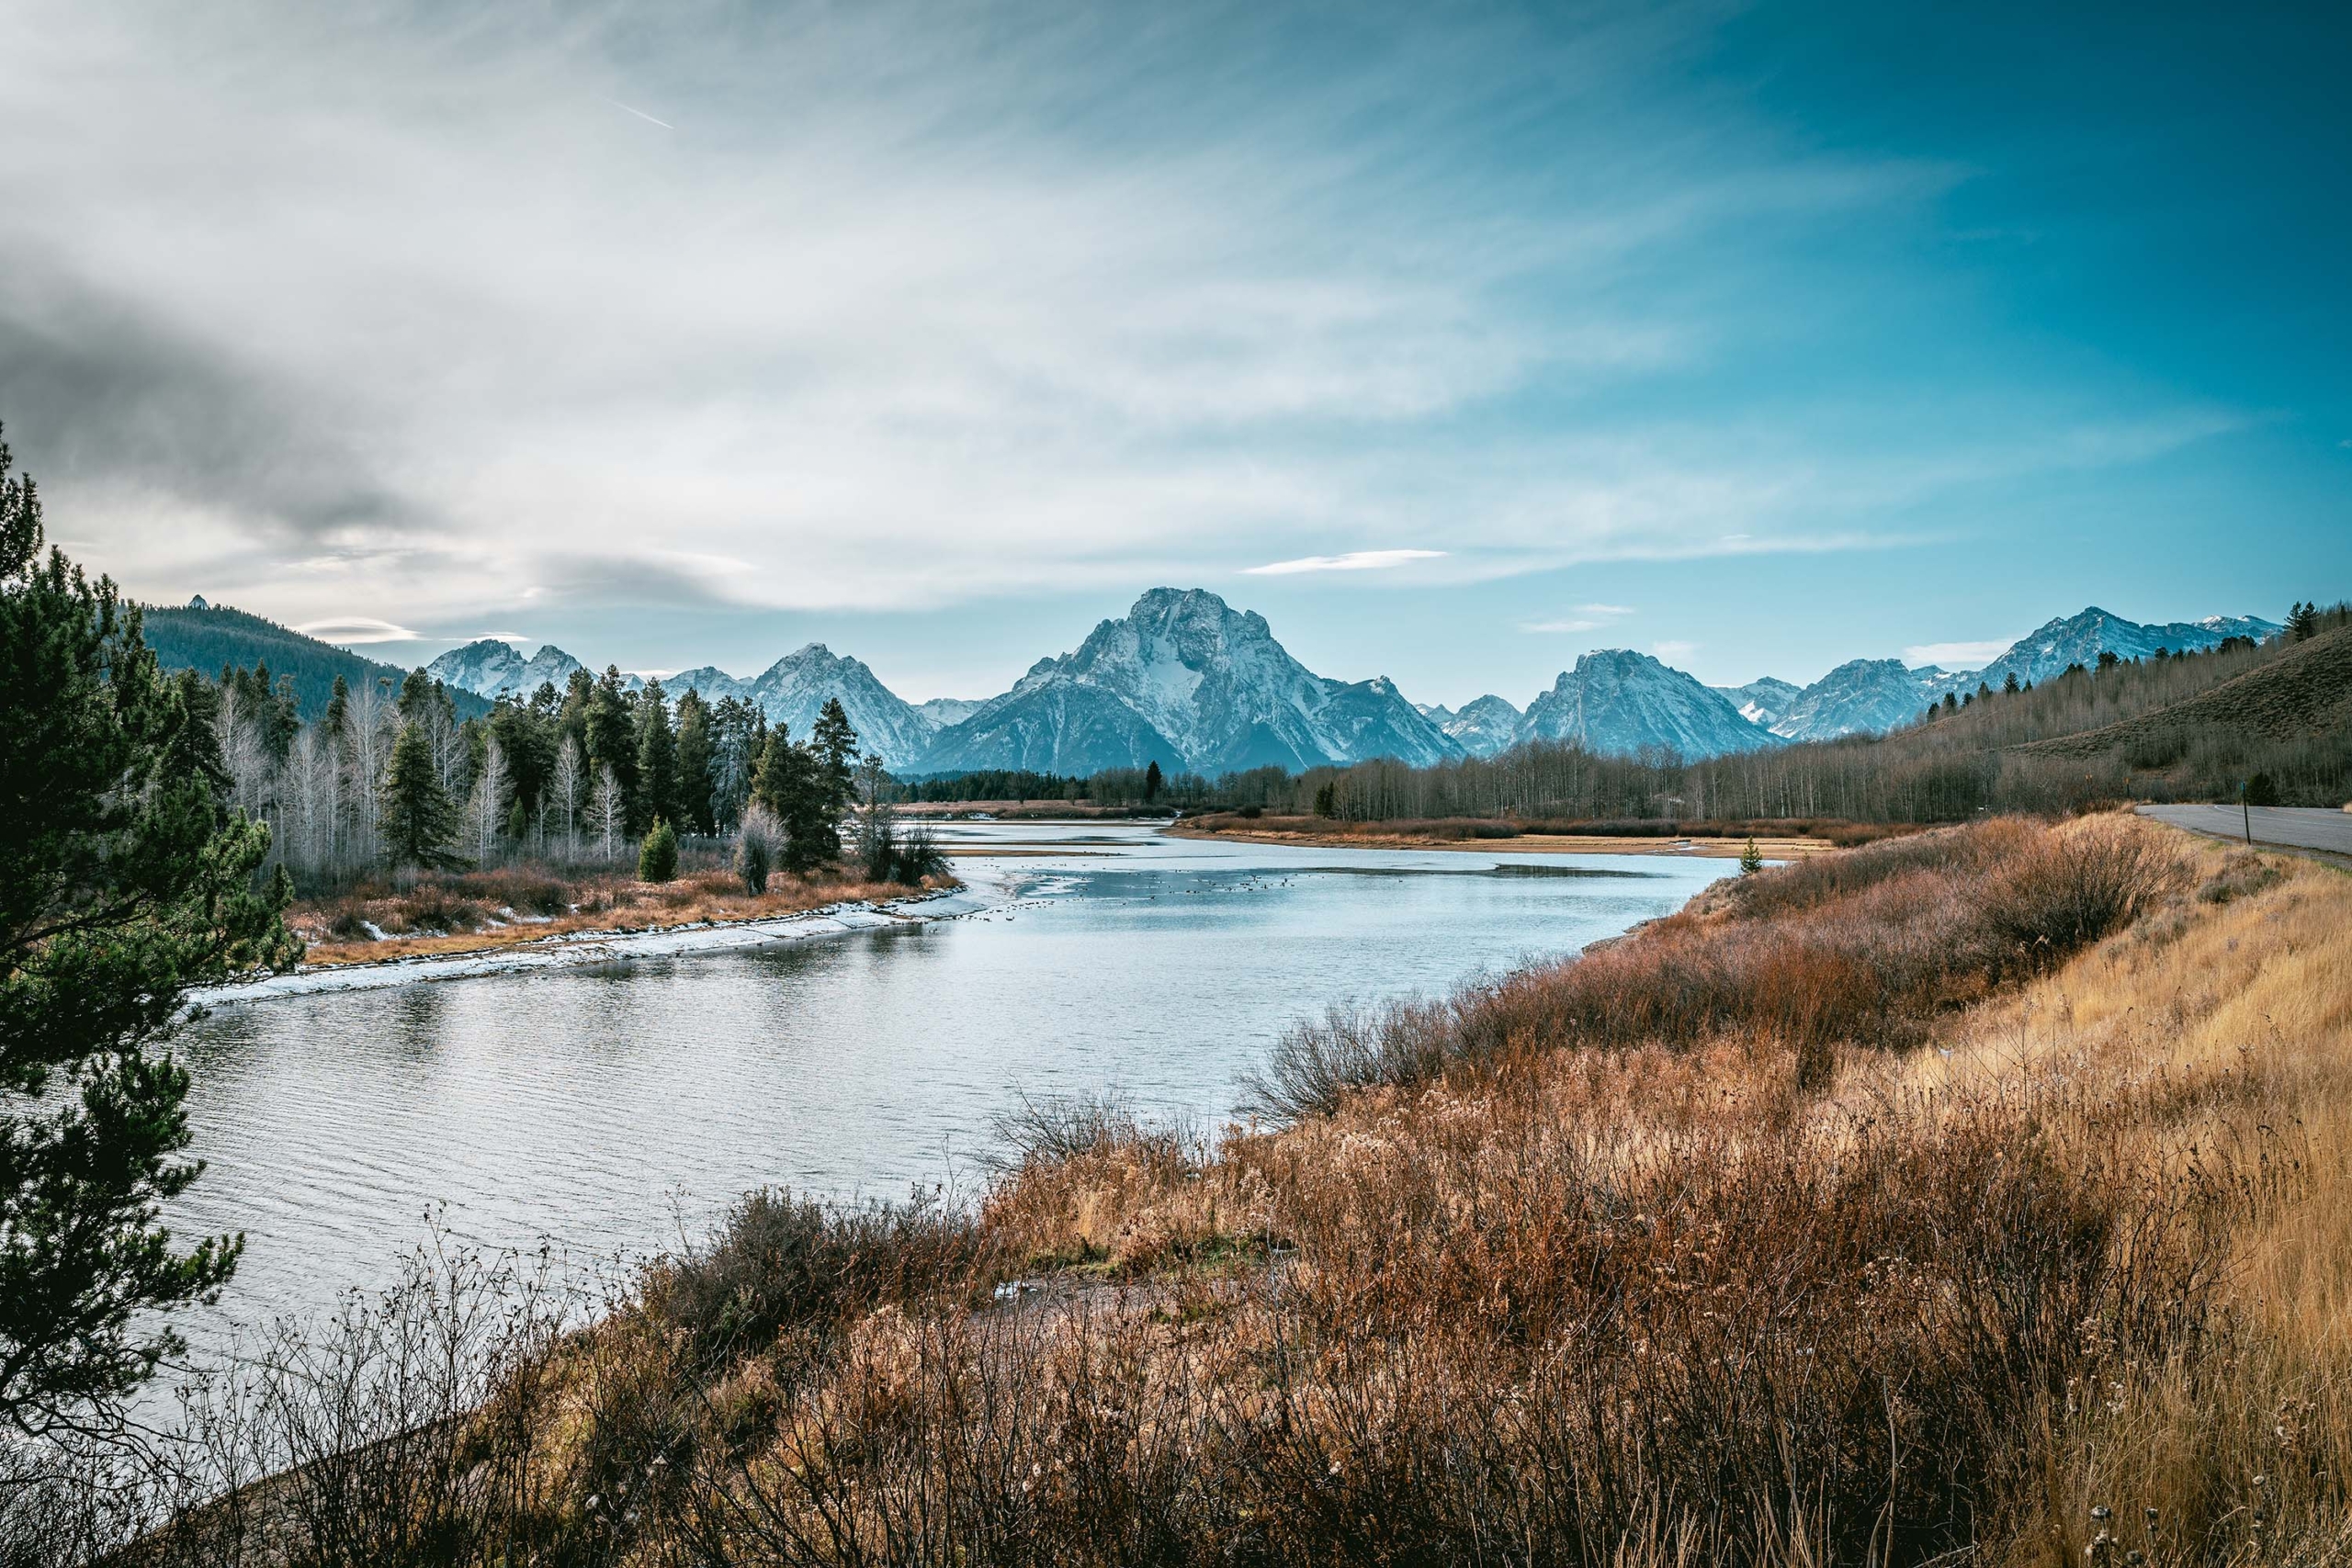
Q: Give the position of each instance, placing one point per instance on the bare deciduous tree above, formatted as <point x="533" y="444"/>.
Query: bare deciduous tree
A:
<point x="486" y="808"/>
<point x="565" y="788"/>
<point x="607" y="813"/>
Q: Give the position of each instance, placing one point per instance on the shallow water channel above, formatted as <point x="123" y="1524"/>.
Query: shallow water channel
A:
<point x="606" y="1108"/>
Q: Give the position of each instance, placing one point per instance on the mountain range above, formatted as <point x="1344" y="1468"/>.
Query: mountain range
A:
<point x="1186" y="680"/>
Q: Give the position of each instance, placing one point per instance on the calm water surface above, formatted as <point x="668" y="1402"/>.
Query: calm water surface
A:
<point x="606" y="1107"/>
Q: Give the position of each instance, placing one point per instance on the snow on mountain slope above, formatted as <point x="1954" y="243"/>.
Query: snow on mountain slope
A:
<point x="492" y="669"/>
<point x="1053" y="726"/>
<point x="1619" y="702"/>
<point x="1864" y="697"/>
<point x="1761" y="701"/>
<point x="794" y="688"/>
<point x="1484" y="727"/>
<point x="2081" y="638"/>
<point x="1208" y="682"/>
<point x="707" y="681"/>
<point x="941" y="712"/>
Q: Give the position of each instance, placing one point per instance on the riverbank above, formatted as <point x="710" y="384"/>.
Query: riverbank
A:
<point x="467" y="914"/>
<point x="1297" y="831"/>
<point x="584" y="946"/>
<point x="1985" y="1192"/>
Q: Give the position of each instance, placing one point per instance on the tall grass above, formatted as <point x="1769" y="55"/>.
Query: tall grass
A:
<point x="1868" y="948"/>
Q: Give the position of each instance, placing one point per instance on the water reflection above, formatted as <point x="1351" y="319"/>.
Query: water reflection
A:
<point x="606" y="1106"/>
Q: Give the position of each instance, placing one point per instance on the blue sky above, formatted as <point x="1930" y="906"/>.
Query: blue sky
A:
<point x="1761" y="337"/>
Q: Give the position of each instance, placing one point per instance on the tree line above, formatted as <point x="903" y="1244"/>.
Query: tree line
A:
<point x="1956" y="760"/>
<point x="389" y="775"/>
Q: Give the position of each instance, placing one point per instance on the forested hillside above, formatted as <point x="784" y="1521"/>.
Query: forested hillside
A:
<point x="210" y="638"/>
<point x="2275" y="717"/>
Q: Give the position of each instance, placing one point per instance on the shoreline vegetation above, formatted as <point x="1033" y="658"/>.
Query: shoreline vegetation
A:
<point x="447" y="914"/>
<point x="1977" y="1195"/>
<point x="1776" y="840"/>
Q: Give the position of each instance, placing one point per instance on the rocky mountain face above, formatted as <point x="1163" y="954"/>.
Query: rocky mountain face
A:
<point x="1762" y="701"/>
<point x="1864" y="697"/>
<point x="1186" y="680"/>
<point x="2081" y="638"/>
<point x="941" y="712"/>
<point x="1483" y="726"/>
<point x="793" y="689"/>
<point x="493" y="669"/>
<point x="1619" y="702"/>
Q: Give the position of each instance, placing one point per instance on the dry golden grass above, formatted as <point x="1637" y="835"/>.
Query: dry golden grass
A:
<point x="2037" y="1253"/>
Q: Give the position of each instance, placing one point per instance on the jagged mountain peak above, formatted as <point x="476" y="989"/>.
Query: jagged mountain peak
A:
<point x="1483" y="726"/>
<point x="1621" y="701"/>
<point x="1184" y="677"/>
<point x="490" y="667"/>
<point x="1863" y="696"/>
<point x="2081" y="638"/>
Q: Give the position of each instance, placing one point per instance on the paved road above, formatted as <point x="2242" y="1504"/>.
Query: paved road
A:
<point x="2304" y="827"/>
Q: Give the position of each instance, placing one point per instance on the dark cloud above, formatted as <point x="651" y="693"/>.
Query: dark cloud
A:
<point x="98" y="389"/>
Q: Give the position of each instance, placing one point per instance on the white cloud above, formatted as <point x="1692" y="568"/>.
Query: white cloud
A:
<point x="899" y="306"/>
<point x="1355" y="560"/>
<point x="1956" y="655"/>
<point x="1604" y="610"/>
<point x="1561" y="626"/>
<point x="1672" y="650"/>
<point x="356" y="629"/>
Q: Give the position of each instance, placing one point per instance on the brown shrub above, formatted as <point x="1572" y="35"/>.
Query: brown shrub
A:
<point x="1865" y="948"/>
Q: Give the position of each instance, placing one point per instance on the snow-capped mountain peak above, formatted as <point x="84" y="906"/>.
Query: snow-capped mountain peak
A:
<point x="1184" y="679"/>
<point x="1619" y="702"/>
<point x="489" y="668"/>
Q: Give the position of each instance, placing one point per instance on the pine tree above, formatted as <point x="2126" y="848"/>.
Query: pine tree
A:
<point x="2009" y="684"/>
<point x="657" y="762"/>
<point x="1152" y="780"/>
<point x="609" y="739"/>
<point x="1751" y="859"/>
<point x="834" y="746"/>
<point x="527" y="734"/>
<point x="2302" y="622"/>
<point x="694" y="763"/>
<point x="419" y="819"/>
<point x="790" y="785"/>
<point x="657" y="858"/>
<point x="124" y="881"/>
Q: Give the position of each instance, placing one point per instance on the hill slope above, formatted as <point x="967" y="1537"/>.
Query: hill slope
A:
<point x="2305" y="690"/>
<point x="206" y="637"/>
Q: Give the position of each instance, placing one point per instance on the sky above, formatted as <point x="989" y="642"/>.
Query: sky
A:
<point x="1455" y="339"/>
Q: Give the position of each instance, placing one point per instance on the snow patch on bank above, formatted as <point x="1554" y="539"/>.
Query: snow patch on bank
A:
<point x="979" y="895"/>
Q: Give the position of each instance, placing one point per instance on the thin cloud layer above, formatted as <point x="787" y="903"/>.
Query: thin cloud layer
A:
<point x="1355" y="560"/>
<point x="1956" y="655"/>
<point x="465" y="318"/>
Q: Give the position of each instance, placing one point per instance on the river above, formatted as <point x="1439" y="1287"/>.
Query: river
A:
<point x="611" y="1109"/>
